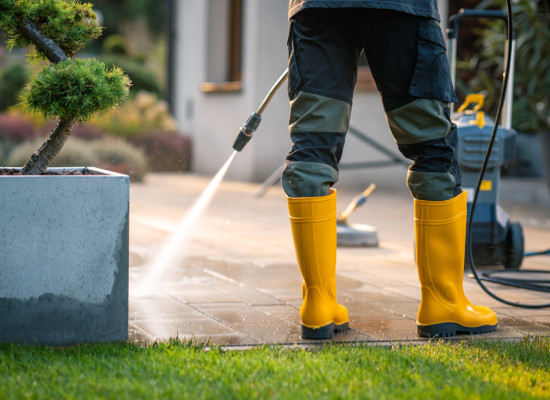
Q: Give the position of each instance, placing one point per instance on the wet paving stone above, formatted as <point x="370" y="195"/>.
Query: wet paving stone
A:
<point x="164" y="329"/>
<point x="387" y="329"/>
<point x="144" y="307"/>
<point x="279" y="332"/>
<point x="352" y="336"/>
<point x="283" y="312"/>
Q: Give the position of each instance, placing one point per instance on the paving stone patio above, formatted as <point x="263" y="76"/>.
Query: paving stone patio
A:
<point x="235" y="281"/>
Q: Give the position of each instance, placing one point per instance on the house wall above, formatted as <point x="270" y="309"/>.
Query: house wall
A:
<point x="214" y="119"/>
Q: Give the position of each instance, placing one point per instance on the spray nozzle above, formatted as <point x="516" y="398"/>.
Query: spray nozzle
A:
<point x="252" y="123"/>
<point x="246" y="131"/>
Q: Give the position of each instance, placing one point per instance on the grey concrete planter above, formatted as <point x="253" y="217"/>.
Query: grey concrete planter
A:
<point x="64" y="258"/>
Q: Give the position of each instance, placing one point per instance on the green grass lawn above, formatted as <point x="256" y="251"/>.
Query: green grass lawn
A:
<point x="466" y="370"/>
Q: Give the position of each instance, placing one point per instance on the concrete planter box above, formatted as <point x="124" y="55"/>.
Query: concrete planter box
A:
<point x="64" y="258"/>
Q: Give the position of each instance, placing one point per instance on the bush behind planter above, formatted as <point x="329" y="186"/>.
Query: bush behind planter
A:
<point x="142" y="115"/>
<point x="16" y="128"/>
<point x="118" y="155"/>
<point x="166" y="152"/>
<point x="13" y="79"/>
<point x="108" y="153"/>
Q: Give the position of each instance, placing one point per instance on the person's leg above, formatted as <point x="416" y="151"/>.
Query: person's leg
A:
<point x="407" y="58"/>
<point x="409" y="64"/>
<point x="323" y="57"/>
<point x="322" y="74"/>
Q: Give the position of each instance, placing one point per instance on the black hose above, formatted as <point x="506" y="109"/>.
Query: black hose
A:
<point x="488" y="276"/>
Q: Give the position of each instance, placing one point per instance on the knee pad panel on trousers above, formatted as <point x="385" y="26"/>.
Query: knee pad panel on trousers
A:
<point x="419" y="121"/>
<point x="308" y="179"/>
<point x="315" y="113"/>
<point x="318" y="127"/>
<point x="425" y="134"/>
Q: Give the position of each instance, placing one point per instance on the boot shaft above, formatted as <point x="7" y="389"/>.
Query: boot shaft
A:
<point x="440" y="237"/>
<point x="313" y="226"/>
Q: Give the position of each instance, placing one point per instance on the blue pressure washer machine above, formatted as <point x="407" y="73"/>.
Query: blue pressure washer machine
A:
<point x="495" y="239"/>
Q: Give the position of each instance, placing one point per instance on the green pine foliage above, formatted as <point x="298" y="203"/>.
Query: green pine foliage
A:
<point x="72" y="90"/>
<point x="76" y="89"/>
<point x="69" y="23"/>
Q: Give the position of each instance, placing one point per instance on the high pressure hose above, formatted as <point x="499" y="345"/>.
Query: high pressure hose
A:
<point x="520" y="283"/>
<point x="249" y="127"/>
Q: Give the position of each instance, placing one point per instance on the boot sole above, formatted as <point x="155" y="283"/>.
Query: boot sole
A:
<point x="448" y="329"/>
<point x="324" y="332"/>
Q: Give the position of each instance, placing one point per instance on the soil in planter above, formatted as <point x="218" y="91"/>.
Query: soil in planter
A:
<point x="13" y="171"/>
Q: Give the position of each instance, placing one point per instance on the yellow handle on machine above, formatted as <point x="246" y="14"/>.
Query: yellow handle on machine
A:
<point x="477" y="98"/>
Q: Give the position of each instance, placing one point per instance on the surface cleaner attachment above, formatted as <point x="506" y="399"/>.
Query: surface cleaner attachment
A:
<point x="356" y="235"/>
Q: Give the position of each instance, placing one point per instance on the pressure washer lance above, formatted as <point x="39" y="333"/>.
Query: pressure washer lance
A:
<point x="356" y="235"/>
<point x="249" y="127"/>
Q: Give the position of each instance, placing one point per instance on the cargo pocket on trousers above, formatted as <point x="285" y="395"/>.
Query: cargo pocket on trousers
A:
<point x="432" y="76"/>
<point x="293" y="70"/>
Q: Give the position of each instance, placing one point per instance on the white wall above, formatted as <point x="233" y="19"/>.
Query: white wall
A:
<point x="214" y="118"/>
<point x="189" y="60"/>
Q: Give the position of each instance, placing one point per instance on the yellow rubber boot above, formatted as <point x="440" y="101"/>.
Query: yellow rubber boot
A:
<point x="440" y="234"/>
<point x="313" y="225"/>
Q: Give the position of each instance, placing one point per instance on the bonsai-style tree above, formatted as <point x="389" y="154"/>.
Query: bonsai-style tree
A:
<point x="72" y="90"/>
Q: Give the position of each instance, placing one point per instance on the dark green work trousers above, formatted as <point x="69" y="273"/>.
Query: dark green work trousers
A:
<point x="407" y="57"/>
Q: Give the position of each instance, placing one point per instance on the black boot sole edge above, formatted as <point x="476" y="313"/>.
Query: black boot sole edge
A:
<point x="324" y="332"/>
<point x="449" y="329"/>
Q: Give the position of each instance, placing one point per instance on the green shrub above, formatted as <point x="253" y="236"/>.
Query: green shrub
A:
<point x="14" y="129"/>
<point x="13" y="79"/>
<point x="76" y="90"/>
<point x="531" y="105"/>
<point x="87" y="132"/>
<point x="143" y="115"/>
<point x="109" y="153"/>
<point x="115" y="44"/>
<point x="166" y="152"/>
<point x="75" y="153"/>
<point x="117" y="155"/>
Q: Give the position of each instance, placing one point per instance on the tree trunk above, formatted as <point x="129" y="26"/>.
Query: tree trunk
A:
<point x="44" y="44"/>
<point x="40" y="160"/>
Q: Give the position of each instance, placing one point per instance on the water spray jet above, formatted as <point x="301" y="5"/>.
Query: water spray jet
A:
<point x="171" y="252"/>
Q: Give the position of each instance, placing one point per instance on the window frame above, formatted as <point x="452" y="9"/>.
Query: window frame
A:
<point x="233" y="82"/>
